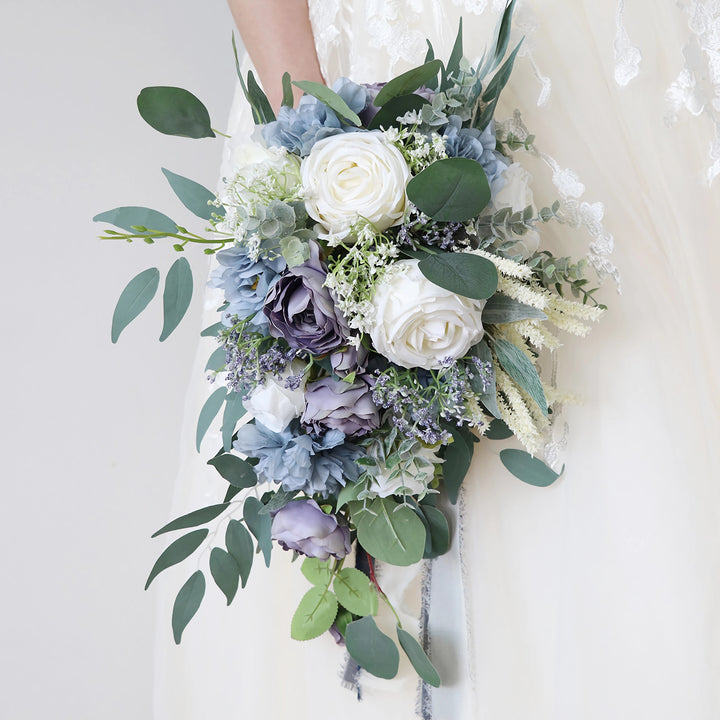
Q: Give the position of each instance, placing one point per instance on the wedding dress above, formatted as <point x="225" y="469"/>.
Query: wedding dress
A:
<point x="596" y="598"/>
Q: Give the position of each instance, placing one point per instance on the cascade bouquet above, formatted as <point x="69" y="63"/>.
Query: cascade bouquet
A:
<point x="386" y="302"/>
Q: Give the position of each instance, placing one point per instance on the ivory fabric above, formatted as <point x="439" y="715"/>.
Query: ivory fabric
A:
<point x="596" y="598"/>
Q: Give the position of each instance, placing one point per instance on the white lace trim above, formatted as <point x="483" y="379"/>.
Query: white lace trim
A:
<point x="627" y="55"/>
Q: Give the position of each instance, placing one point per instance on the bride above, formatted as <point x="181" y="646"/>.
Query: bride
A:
<point x="595" y="598"/>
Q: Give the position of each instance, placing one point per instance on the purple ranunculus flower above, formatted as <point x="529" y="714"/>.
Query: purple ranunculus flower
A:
<point x="302" y="526"/>
<point x="349" y="359"/>
<point x="303" y="312"/>
<point x="332" y="404"/>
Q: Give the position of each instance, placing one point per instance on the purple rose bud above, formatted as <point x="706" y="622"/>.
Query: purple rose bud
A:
<point x="302" y="311"/>
<point x="349" y="360"/>
<point x="302" y="525"/>
<point x="338" y="405"/>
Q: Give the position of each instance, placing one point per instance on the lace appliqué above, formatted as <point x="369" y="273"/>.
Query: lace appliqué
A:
<point x="573" y="210"/>
<point x="697" y="87"/>
<point x="627" y="55"/>
<point x="526" y="25"/>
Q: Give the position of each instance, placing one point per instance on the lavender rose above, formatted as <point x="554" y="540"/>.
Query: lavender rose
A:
<point x="338" y="405"/>
<point x="301" y="525"/>
<point x="302" y="311"/>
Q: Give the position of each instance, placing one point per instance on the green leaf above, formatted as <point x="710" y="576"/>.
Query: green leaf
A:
<point x="192" y="519"/>
<point x="208" y="413"/>
<point x="134" y="299"/>
<point x="212" y="330"/>
<point x="258" y="99"/>
<point x="240" y="546"/>
<point x="174" y="111"/>
<point x="430" y="55"/>
<point x="294" y="250"/>
<point x="462" y="273"/>
<point x="487" y="395"/>
<point x="318" y="572"/>
<point x="455" y="189"/>
<point x="388" y="531"/>
<point x="420" y="661"/>
<point x="501" y="309"/>
<point x="498" y="430"/>
<point x="280" y="498"/>
<point x="287" y="98"/>
<point x="260" y="526"/>
<point x="371" y="649"/>
<point x="355" y="592"/>
<point x="437" y="541"/>
<point x="349" y="492"/>
<point x="521" y="369"/>
<point x="234" y="410"/>
<point x="216" y="362"/>
<point x="501" y="38"/>
<point x="315" y="614"/>
<point x="408" y="82"/>
<point x="393" y="109"/>
<point x="194" y="196"/>
<point x="176" y="552"/>
<point x="238" y="472"/>
<point x="342" y="619"/>
<point x="225" y="572"/>
<point x="187" y="603"/>
<point x="176" y="296"/>
<point x="458" y="455"/>
<point x="330" y="98"/>
<point x="453" y="65"/>
<point x="492" y="93"/>
<point x="130" y="217"/>
<point x="529" y="469"/>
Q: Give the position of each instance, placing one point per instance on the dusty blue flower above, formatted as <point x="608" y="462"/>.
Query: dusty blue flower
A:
<point x="300" y="461"/>
<point x="246" y="283"/>
<point x="302" y="526"/>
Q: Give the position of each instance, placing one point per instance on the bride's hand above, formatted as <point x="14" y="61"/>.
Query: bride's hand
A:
<point x="278" y="37"/>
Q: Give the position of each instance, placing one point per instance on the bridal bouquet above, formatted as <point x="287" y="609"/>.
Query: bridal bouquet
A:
<point x="386" y="302"/>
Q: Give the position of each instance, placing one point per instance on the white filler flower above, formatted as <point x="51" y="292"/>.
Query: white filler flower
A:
<point x="355" y="175"/>
<point x="418" y="324"/>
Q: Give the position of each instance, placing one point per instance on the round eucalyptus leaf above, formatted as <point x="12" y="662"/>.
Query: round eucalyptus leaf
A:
<point x="315" y="614"/>
<point x="174" y="111"/>
<point x="527" y="468"/>
<point x="462" y="273"/>
<point x="371" y="649"/>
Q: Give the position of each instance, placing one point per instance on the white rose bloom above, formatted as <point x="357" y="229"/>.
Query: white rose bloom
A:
<point x="355" y="175"/>
<point x="273" y="404"/>
<point x="415" y="478"/>
<point x="417" y="323"/>
<point x="517" y="194"/>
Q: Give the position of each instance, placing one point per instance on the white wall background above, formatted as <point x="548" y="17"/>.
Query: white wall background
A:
<point x="89" y="431"/>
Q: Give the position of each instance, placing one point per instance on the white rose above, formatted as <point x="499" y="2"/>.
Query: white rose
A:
<point x="414" y="477"/>
<point x="417" y="323"/>
<point x="517" y="194"/>
<point x="355" y="175"/>
<point x="275" y="405"/>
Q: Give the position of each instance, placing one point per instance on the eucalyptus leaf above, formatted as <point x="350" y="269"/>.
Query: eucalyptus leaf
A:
<point x="355" y="592"/>
<point x="371" y="649"/>
<point x="521" y="369"/>
<point x="462" y="273"/>
<point x="174" y="111"/>
<point x="349" y="492"/>
<point x="193" y="519"/>
<point x="225" y="572"/>
<point x="260" y="525"/>
<point x="258" y="99"/>
<point x="216" y="362"/>
<point x="498" y="430"/>
<point x="176" y="552"/>
<point x="408" y="82"/>
<point x="187" y="603"/>
<point x="287" y="98"/>
<point x="438" y="532"/>
<point x="280" y="498"/>
<point x="453" y="64"/>
<point x="194" y="196"/>
<point x="176" y="296"/>
<point x="134" y="299"/>
<point x="209" y="411"/>
<point x="388" y="531"/>
<point x="330" y="98"/>
<point x="458" y="456"/>
<point x="130" y="217"/>
<point x="315" y="614"/>
<point x="317" y="571"/>
<point x="501" y="309"/>
<point x="420" y="661"/>
<point x="492" y="93"/>
<point x="501" y="38"/>
<point x="488" y="392"/>
<point x="240" y="546"/>
<point x="388" y="115"/>
<point x="212" y="330"/>
<point x="238" y="472"/>
<point x="454" y="189"/>
<point x="529" y="469"/>
<point x="234" y="410"/>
